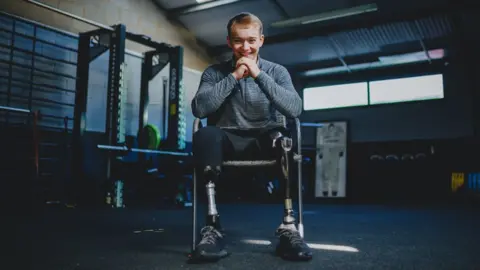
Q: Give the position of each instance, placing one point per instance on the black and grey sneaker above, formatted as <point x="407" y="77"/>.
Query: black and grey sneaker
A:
<point x="211" y="247"/>
<point x="291" y="245"/>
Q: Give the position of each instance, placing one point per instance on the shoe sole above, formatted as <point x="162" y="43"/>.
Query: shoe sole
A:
<point x="295" y="258"/>
<point x="289" y="257"/>
<point x="208" y="257"/>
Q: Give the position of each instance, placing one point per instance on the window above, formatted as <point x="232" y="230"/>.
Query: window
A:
<point x="406" y="89"/>
<point x="374" y="92"/>
<point x="335" y="96"/>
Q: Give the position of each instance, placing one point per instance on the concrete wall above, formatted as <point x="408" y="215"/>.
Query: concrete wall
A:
<point x="140" y="16"/>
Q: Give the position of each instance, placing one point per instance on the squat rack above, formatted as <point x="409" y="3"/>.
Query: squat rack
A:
<point x="94" y="43"/>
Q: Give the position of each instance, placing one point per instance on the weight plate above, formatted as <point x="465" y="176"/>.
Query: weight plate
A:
<point x="150" y="137"/>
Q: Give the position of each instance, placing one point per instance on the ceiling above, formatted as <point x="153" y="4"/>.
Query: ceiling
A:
<point x="338" y="45"/>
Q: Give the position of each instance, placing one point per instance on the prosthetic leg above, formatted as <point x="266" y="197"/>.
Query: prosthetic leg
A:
<point x="283" y="146"/>
<point x="211" y="246"/>
<point x="291" y="245"/>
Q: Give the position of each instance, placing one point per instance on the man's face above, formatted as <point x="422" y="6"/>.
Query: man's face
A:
<point x="245" y="41"/>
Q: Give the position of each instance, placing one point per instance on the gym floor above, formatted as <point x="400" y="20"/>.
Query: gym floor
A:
<point x="344" y="237"/>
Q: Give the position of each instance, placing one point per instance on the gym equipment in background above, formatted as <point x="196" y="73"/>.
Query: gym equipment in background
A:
<point x="138" y="150"/>
<point x="149" y="137"/>
<point x="91" y="45"/>
<point x="331" y="143"/>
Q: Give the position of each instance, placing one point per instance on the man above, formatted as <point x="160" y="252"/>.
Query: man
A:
<point x="244" y="100"/>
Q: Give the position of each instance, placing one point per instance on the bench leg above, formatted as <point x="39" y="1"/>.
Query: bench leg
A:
<point x="300" y="199"/>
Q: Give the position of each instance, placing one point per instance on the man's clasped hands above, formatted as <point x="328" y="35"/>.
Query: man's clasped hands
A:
<point x="246" y="67"/>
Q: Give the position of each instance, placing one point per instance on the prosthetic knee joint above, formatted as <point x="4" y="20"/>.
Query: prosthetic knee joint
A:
<point x="211" y="176"/>
<point x="284" y="146"/>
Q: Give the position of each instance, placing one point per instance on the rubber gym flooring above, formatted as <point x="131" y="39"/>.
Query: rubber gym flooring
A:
<point x="344" y="237"/>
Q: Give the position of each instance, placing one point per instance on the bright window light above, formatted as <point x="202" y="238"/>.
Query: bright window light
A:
<point x="335" y="96"/>
<point x="406" y="89"/>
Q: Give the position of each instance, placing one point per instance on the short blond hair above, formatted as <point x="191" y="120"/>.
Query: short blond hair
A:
<point x="244" y="18"/>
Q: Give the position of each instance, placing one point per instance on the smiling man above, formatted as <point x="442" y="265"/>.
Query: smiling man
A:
<point x="245" y="100"/>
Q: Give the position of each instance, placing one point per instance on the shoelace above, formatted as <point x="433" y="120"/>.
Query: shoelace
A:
<point x="293" y="237"/>
<point x="209" y="235"/>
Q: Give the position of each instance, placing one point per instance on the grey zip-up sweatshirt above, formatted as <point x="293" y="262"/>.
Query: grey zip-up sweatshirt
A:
<point x="247" y="103"/>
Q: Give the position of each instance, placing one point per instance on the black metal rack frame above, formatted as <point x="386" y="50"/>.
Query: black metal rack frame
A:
<point x="94" y="43"/>
<point x="154" y="62"/>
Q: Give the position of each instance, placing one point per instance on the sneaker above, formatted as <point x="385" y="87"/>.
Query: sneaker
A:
<point x="291" y="245"/>
<point x="211" y="247"/>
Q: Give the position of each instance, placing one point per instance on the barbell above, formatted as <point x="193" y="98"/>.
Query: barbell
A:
<point x="138" y="150"/>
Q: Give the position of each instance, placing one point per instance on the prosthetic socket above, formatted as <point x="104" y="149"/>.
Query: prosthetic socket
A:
<point x="283" y="146"/>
